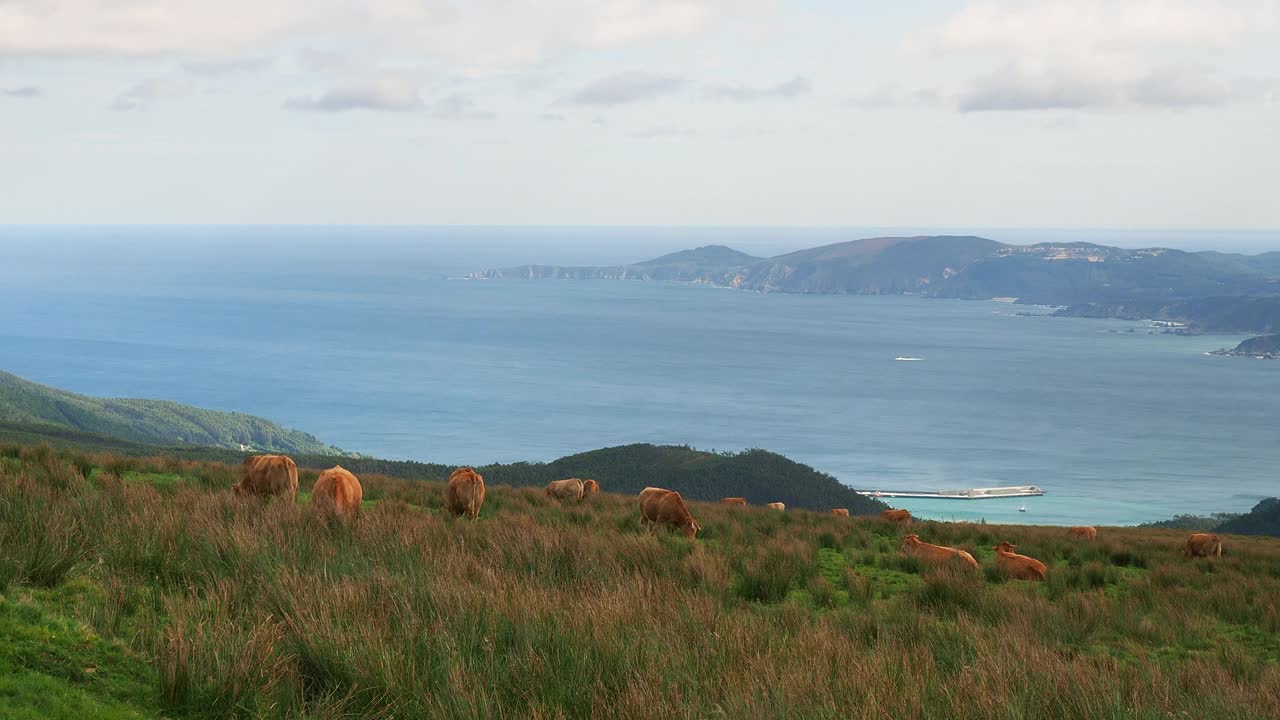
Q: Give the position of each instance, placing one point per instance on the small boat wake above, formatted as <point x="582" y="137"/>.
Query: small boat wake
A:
<point x="908" y="359"/>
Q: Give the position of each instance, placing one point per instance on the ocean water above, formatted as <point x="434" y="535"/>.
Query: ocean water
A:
<point x="362" y="338"/>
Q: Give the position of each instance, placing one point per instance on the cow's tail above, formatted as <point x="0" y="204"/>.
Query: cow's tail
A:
<point x="1218" y="548"/>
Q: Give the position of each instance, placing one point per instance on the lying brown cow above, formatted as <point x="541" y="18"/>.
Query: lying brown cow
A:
<point x="1083" y="532"/>
<point x="465" y="493"/>
<point x="337" y="490"/>
<point x="666" y="507"/>
<point x="1203" y="545"/>
<point x="563" y="490"/>
<point x="935" y="554"/>
<point x="589" y="488"/>
<point x="733" y="501"/>
<point x="840" y="512"/>
<point x="1018" y="566"/>
<point x="777" y="506"/>
<point x="268" y="476"/>
<point x="901" y="517"/>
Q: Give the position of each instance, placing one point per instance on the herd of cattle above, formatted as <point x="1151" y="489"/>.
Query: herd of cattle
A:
<point x="339" y="491"/>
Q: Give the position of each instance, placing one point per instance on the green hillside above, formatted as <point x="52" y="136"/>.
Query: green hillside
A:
<point x="150" y="422"/>
<point x="757" y="475"/>
<point x="143" y="588"/>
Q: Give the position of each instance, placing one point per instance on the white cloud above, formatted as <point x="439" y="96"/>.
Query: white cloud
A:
<point x="1071" y="54"/>
<point x="1038" y="86"/>
<point x="24" y="91"/>
<point x="151" y="90"/>
<point x="142" y="27"/>
<point x="1034" y="86"/>
<point x="789" y="89"/>
<point x="476" y="32"/>
<point x="458" y="107"/>
<point x="1078" y="27"/>
<point x="395" y="94"/>
<point x="1181" y="86"/>
<point x="627" y="87"/>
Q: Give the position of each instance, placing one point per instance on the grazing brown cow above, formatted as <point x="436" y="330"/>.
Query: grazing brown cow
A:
<point x="563" y="490"/>
<point x="902" y="517"/>
<point x="1203" y="545"/>
<point x="935" y="554"/>
<point x="337" y="490"/>
<point x="465" y="493"/>
<point x="589" y="488"/>
<point x="268" y="476"/>
<point x="777" y="506"/>
<point x="1083" y="532"/>
<point x="666" y="507"/>
<point x="733" y="501"/>
<point x="840" y="512"/>
<point x="1018" y="566"/>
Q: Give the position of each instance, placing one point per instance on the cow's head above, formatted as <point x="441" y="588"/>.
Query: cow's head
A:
<point x="237" y="489"/>
<point x="1007" y="547"/>
<point x="910" y="540"/>
<point x="690" y="528"/>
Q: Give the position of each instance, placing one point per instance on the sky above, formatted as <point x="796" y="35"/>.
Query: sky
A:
<point x="923" y="113"/>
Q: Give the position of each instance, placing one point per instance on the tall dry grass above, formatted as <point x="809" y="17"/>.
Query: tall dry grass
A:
<point x="267" y="609"/>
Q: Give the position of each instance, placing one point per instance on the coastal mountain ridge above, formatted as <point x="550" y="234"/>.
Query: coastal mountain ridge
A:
<point x="1209" y="291"/>
<point x="152" y="422"/>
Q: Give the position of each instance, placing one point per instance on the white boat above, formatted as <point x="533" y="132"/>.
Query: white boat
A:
<point x="970" y="494"/>
<point x="1022" y="509"/>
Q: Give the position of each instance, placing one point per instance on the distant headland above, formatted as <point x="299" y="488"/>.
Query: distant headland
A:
<point x="1200" y="292"/>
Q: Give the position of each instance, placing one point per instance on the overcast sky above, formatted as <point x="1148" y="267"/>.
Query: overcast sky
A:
<point x="949" y="114"/>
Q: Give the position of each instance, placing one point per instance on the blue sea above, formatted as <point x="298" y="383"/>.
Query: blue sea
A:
<point x="366" y="338"/>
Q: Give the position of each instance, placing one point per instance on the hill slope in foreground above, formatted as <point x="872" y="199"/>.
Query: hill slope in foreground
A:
<point x="135" y="588"/>
<point x="757" y="475"/>
<point x="154" y="422"/>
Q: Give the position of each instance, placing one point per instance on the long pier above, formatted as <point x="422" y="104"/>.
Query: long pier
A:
<point x="971" y="494"/>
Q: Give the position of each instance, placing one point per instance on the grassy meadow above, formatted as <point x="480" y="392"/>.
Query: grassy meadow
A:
<point x="135" y="587"/>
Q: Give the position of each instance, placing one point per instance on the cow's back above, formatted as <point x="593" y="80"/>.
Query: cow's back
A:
<point x="465" y="493"/>
<point x="649" y="502"/>
<point x="569" y="489"/>
<point x="267" y="476"/>
<point x="338" y="490"/>
<point x="1204" y="545"/>
<point x="898" y="516"/>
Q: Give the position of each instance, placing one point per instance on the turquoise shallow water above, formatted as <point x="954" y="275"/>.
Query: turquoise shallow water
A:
<point x="395" y="360"/>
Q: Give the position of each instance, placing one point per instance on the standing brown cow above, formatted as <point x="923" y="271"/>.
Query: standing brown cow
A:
<point x="666" y="507"/>
<point x="465" y="493"/>
<point x="563" y="490"/>
<point x="840" y="512"/>
<point x="935" y="554"/>
<point x="589" y="487"/>
<point x="902" y="517"/>
<point x="268" y="476"/>
<point x="1018" y="566"/>
<point x="776" y="506"/>
<point x="733" y="501"/>
<point x="1203" y="545"/>
<point x="1083" y="532"/>
<point x="337" y="490"/>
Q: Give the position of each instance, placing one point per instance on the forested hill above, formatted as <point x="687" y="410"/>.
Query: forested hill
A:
<point x="151" y="422"/>
<point x="1263" y="519"/>
<point x="758" y="475"/>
